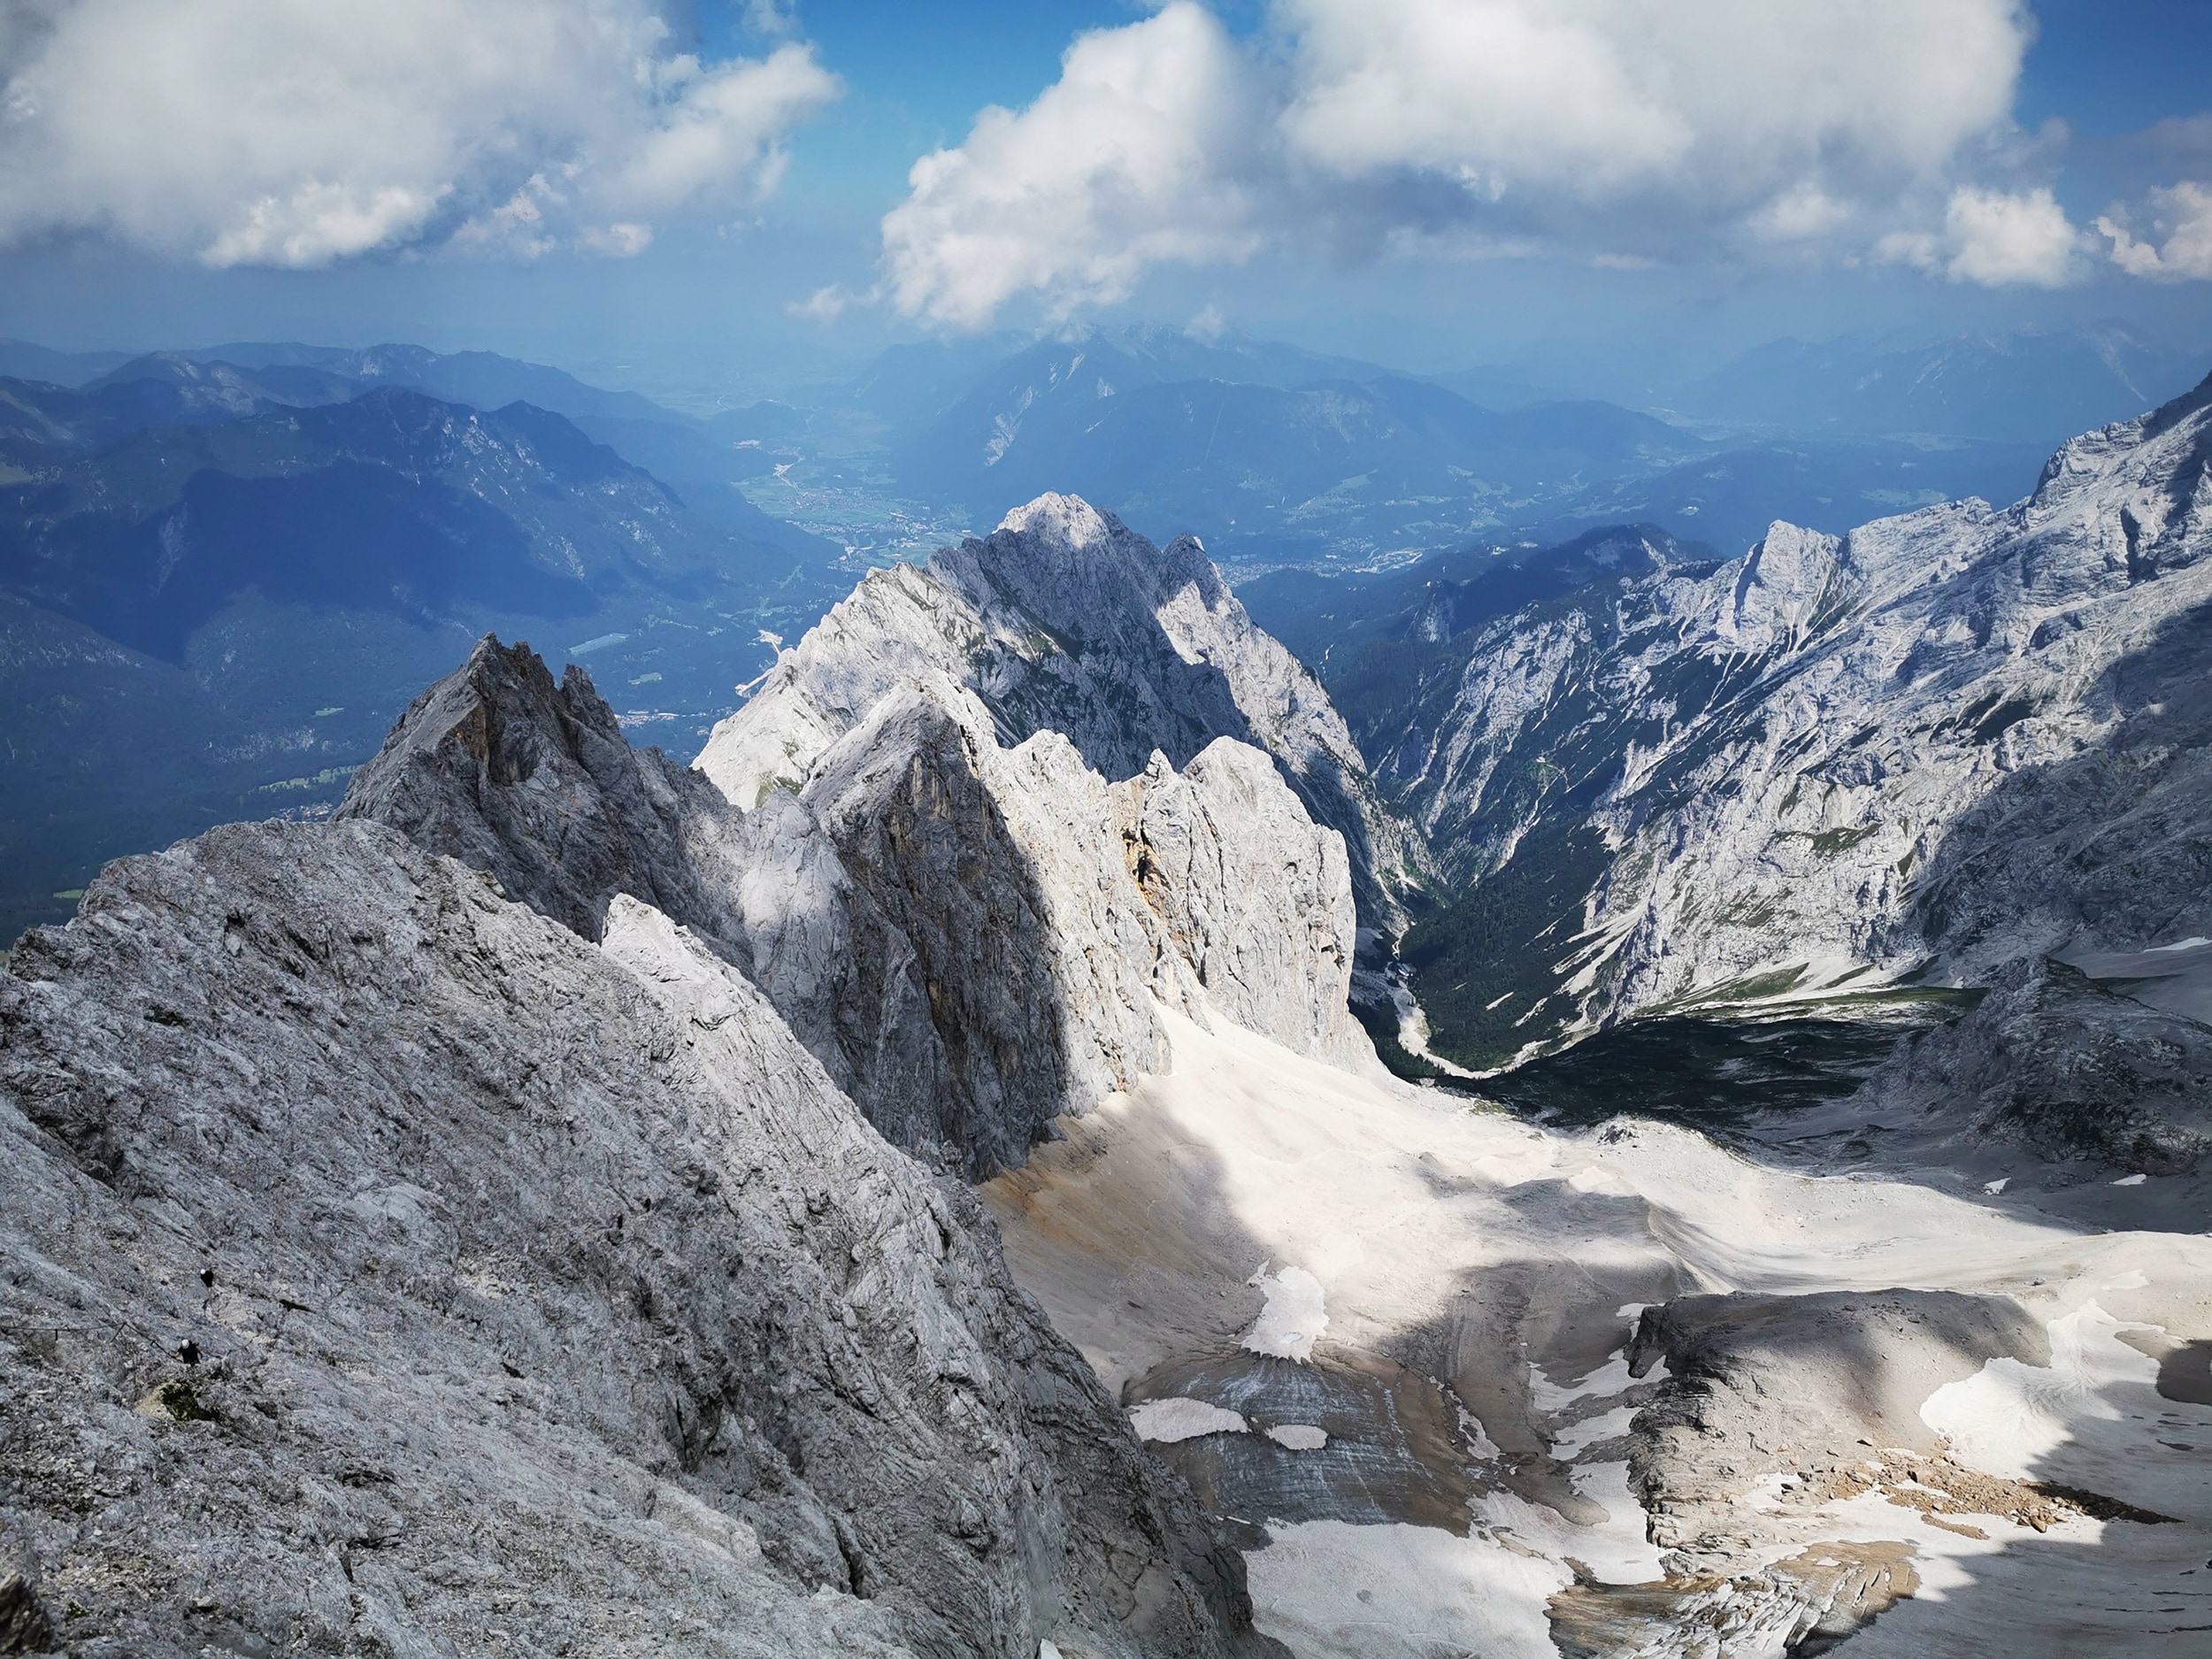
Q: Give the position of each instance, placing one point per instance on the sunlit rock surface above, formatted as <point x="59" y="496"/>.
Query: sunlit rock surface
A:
<point x="387" y="1262"/>
<point x="1944" y="743"/>
<point x="1064" y="620"/>
<point x="972" y="940"/>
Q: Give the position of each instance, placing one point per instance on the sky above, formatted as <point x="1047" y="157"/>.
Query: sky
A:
<point x="749" y="196"/>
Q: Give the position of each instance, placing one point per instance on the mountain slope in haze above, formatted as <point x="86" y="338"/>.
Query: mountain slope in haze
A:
<point x="1322" y="468"/>
<point x="392" y="499"/>
<point x="482" y="379"/>
<point x="2030" y="388"/>
<point x="286" y="561"/>
<point x="21" y="359"/>
<point x="1809" y="770"/>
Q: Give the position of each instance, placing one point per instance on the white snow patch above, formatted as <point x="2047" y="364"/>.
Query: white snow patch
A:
<point x="1329" y="1590"/>
<point x="1590" y="1431"/>
<point x="2007" y="1417"/>
<point x="1998" y="1186"/>
<point x="1298" y="1437"/>
<point x="2131" y="1181"/>
<point x="1478" y="1437"/>
<point x="1611" y="1377"/>
<point x="2134" y="1278"/>
<point x="1594" y="1179"/>
<point x="2178" y="944"/>
<point x="1616" y="1552"/>
<point x="1180" y="1418"/>
<point x="1294" y="1317"/>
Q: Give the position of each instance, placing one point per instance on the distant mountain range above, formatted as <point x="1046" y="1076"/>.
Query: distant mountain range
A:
<point x="1280" y="456"/>
<point x="224" y="575"/>
<point x="2036" y="388"/>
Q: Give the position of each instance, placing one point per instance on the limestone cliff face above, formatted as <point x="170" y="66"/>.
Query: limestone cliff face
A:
<point x="953" y="928"/>
<point x="1064" y="620"/>
<point x="1833" y="760"/>
<point x="389" y="1262"/>
<point x="1256" y="896"/>
<point x="534" y="784"/>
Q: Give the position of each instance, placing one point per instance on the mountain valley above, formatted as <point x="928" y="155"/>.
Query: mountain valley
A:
<point x="923" y="1177"/>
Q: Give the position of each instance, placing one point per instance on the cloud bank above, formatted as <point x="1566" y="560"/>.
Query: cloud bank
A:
<point x="1623" y="130"/>
<point x="2182" y="214"/>
<point x="300" y="131"/>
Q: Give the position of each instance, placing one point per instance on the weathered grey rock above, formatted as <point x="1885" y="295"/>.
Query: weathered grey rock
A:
<point x="1001" y="872"/>
<point x="1756" y="1384"/>
<point x="2074" y="1071"/>
<point x="1947" y="742"/>
<point x="1818" y="1395"/>
<point x="1256" y="895"/>
<point x="534" y="784"/>
<point x="953" y="929"/>
<point x="1064" y="620"/>
<point x="387" y="1265"/>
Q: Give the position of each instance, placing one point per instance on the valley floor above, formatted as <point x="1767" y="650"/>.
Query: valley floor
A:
<point x="1855" y="1405"/>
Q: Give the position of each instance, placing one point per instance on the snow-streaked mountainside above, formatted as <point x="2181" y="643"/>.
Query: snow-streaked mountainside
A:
<point x="1944" y="743"/>
<point x="1064" y="620"/>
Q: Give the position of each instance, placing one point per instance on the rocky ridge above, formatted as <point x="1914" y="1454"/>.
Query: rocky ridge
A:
<point x="1946" y="742"/>
<point x="972" y="940"/>
<point x="480" y="1208"/>
<point x="1064" y="620"/>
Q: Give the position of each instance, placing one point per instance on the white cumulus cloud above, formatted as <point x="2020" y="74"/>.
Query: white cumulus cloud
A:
<point x="1996" y="238"/>
<point x="1136" y="155"/>
<point x="298" y="132"/>
<point x="1636" y="129"/>
<point x="2183" y="212"/>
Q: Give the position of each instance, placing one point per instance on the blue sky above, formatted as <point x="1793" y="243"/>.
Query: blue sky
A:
<point x="1485" y="212"/>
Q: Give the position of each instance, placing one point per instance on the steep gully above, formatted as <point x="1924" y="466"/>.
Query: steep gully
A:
<point x="391" y="1196"/>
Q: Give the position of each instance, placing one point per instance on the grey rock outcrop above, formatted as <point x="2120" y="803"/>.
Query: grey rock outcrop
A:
<point x="534" y="784"/>
<point x="387" y="1264"/>
<point x="1064" y="620"/>
<point x="952" y="928"/>
<point x="1256" y="896"/>
<point x="2073" y="1070"/>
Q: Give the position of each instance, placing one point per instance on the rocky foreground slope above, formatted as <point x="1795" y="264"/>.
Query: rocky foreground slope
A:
<point x="1935" y="750"/>
<point x="469" y="1225"/>
<point x="386" y="1264"/>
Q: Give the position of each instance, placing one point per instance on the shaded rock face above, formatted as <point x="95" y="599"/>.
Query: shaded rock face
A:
<point x="1064" y="620"/>
<point x="1038" y="960"/>
<point x="389" y="1262"/>
<point x="1949" y="740"/>
<point x="534" y="784"/>
<point x="2074" y="1072"/>
<point x="953" y="929"/>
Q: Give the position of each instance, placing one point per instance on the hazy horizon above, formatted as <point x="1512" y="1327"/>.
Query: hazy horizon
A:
<point x="727" y="202"/>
